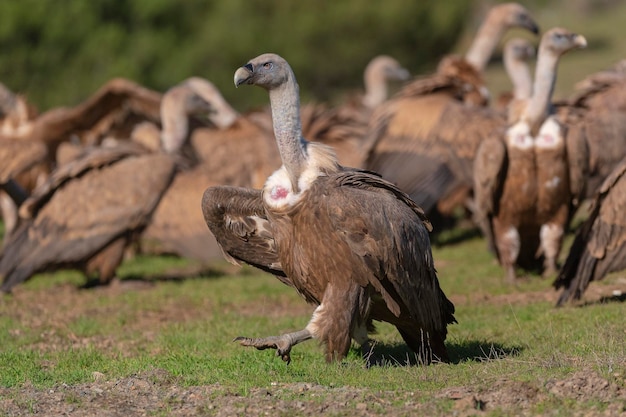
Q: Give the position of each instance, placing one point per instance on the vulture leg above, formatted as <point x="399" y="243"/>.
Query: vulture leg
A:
<point x="282" y="343"/>
<point x="329" y="324"/>
<point x="508" y="246"/>
<point x="551" y="236"/>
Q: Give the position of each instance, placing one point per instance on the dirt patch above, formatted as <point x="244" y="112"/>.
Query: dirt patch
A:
<point x="155" y="393"/>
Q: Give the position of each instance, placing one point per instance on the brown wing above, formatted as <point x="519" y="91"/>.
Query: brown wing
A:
<point x="388" y="237"/>
<point x="343" y="128"/>
<point x="455" y="77"/>
<point x="237" y="219"/>
<point x="56" y="124"/>
<point x="426" y="145"/>
<point x="84" y="215"/>
<point x="92" y="158"/>
<point x="600" y="244"/>
<point x="16" y="156"/>
<point x="489" y="170"/>
<point x="577" y="149"/>
<point x="177" y="225"/>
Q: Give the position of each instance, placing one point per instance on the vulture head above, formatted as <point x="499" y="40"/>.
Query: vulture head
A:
<point x="267" y="70"/>
<point x="557" y="41"/>
<point x="177" y="104"/>
<point x="378" y="72"/>
<point x="519" y="49"/>
<point x="513" y="15"/>
<point x="222" y="114"/>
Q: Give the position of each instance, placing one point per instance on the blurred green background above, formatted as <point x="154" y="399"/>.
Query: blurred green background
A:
<point x="59" y="52"/>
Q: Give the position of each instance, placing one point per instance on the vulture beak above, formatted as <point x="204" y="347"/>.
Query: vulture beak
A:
<point x="244" y="74"/>
<point x="533" y="27"/>
<point x="580" y="41"/>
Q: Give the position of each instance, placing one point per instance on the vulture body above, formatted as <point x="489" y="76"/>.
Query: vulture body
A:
<point x="600" y="244"/>
<point x="425" y="137"/>
<point x="90" y="209"/>
<point x="596" y="112"/>
<point x="525" y="184"/>
<point x="347" y="240"/>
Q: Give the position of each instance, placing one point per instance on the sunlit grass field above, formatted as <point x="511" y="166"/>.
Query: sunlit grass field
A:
<point x="54" y="333"/>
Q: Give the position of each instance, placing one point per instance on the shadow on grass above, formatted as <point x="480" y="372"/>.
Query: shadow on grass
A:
<point x="399" y="354"/>
<point x="606" y="299"/>
<point x="174" y="274"/>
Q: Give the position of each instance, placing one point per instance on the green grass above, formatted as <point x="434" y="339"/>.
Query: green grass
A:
<point x="186" y="328"/>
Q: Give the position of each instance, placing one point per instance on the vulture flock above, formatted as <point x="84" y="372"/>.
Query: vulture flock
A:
<point x="338" y="202"/>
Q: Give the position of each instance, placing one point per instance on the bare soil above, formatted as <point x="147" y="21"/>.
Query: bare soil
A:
<point x="155" y="392"/>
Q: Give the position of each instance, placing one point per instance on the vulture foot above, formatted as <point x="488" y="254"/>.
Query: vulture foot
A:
<point x="282" y="344"/>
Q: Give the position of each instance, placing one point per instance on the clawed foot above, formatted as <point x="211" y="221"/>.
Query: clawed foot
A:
<point x="282" y="344"/>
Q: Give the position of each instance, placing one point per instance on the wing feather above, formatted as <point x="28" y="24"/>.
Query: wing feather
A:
<point x="395" y="254"/>
<point x="237" y="219"/>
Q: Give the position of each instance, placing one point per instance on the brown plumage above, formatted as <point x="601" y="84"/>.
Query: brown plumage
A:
<point x="596" y="111"/>
<point x="346" y="240"/>
<point x="525" y="184"/>
<point x="19" y="163"/>
<point x="600" y="244"/>
<point x="90" y="209"/>
<point x="420" y="137"/>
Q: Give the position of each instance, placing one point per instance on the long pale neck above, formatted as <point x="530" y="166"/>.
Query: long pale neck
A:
<point x="545" y="77"/>
<point x="285" y="104"/>
<point x="175" y="127"/>
<point x="375" y="89"/>
<point x="484" y="43"/>
<point x="519" y="73"/>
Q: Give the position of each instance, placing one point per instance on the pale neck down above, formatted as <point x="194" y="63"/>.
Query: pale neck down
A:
<point x="519" y="73"/>
<point x="175" y="127"/>
<point x="484" y="43"/>
<point x="375" y="90"/>
<point x="545" y="77"/>
<point x="285" y="105"/>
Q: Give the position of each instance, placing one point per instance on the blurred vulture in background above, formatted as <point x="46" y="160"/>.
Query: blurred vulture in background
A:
<point x="345" y="239"/>
<point x="111" y="111"/>
<point x="89" y="210"/>
<point x="525" y="184"/>
<point x="600" y="244"/>
<point x="597" y="112"/>
<point x="16" y="157"/>
<point x="424" y="138"/>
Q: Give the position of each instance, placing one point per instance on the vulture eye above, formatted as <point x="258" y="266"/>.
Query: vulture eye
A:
<point x="268" y="65"/>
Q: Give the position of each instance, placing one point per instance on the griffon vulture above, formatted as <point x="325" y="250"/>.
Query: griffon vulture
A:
<point x="348" y="241"/>
<point x="525" y="184"/>
<point x="596" y="111"/>
<point x="600" y="244"/>
<point x="425" y="137"/>
<point x="90" y="209"/>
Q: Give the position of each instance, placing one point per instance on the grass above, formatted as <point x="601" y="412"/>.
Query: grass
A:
<point x="186" y="327"/>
